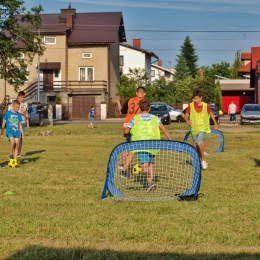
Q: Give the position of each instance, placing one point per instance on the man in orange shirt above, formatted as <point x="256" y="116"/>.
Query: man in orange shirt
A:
<point x="130" y="108"/>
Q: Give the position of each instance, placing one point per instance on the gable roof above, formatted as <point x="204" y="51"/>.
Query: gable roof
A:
<point x="87" y="28"/>
<point x="172" y="71"/>
<point x="246" y="68"/>
<point x="139" y="49"/>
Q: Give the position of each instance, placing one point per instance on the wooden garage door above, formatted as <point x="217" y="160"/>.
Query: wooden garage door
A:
<point x="81" y="106"/>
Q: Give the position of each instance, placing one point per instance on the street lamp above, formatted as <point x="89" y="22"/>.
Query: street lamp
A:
<point x="170" y="64"/>
<point x="38" y="67"/>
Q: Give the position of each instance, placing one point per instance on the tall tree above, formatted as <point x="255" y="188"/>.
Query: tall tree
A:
<point x="236" y="66"/>
<point x="189" y="53"/>
<point x="19" y="41"/>
<point x="181" y="69"/>
<point x="218" y="93"/>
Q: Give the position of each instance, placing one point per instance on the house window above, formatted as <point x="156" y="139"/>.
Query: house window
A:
<point x="86" y="55"/>
<point x="152" y="73"/>
<point x="121" y="60"/>
<point x="50" y="40"/>
<point x="56" y="73"/>
<point x="86" y="73"/>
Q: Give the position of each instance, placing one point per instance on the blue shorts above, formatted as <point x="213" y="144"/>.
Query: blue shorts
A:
<point x="198" y="138"/>
<point x="14" y="135"/>
<point x="40" y="116"/>
<point x="91" y="119"/>
<point x="50" y="118"/>
<point x="145" y="157"/>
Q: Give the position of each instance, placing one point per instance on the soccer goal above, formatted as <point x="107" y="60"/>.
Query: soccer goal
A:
<point x="214" y="141"/>
<point x="177" y="172"/>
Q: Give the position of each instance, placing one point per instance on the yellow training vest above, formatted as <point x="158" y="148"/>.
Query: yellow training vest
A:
<point x="200" y="121"/>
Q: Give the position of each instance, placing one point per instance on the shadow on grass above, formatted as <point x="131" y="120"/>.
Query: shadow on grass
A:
<point x="40" y="253"/>
<point x="34" y="152"/>
<point x="257" y="162"/>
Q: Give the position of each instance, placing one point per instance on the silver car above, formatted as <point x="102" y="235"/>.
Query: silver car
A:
<point x="250" y="113"/>
<point x="175" y="114"/>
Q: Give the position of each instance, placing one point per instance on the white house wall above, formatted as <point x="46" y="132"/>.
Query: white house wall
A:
<point x="133" y="59"/>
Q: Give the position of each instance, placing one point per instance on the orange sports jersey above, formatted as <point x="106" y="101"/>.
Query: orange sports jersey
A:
<point x="133" y="109"/>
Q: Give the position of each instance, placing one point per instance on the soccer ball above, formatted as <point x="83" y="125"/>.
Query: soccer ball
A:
<point x="137" y="169"/>
<point x="13" y="163"/>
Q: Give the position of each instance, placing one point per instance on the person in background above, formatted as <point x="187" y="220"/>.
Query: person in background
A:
<point x="91" y="116"/>
<point x="40" y="110"/>
<point x="50" y="113"/>
<point x="232" y="109"/>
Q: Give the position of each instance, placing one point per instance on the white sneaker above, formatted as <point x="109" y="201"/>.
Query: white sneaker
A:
<point x="205" y="153"/>
<point x="204" y="164"/>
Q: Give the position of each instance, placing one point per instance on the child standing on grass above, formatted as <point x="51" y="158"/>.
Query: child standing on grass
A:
<point x="146" y="126"/>
<point x="197" y="117"/>
<point x="91" y="116"/>
<point x="14" y="131"/>
<point x="130" y="108"/>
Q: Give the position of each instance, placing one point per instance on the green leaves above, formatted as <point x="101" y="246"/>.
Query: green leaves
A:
<point x="19" y="41"/>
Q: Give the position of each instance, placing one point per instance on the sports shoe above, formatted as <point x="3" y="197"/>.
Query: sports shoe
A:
<point x="121" y="166"/>
<point x="151" y="186"/>
<point x="123" y="174"/>
<point x="11" y="157"/>
<point x="2" y="166"/>
<point x="205" y="153"/>
<point x="204" y="164"/>
<point x="20" y="155"/>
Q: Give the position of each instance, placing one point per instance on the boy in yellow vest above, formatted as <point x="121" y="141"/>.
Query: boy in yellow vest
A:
<point x="197" y="116"/>
<point x="146" y="126"/>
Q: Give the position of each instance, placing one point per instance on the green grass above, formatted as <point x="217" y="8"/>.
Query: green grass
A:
<point x="56" y="211"/>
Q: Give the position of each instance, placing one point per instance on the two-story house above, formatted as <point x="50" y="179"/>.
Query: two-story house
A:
<point x="158" y="71"/>
<point x="80" y="63"/>
<point x="133" y="56"/>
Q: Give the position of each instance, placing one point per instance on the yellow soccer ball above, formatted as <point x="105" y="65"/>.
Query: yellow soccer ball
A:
<point x="137" y="169"/>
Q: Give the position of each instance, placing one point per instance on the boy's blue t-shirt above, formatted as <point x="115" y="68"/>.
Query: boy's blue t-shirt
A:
<point x="13" y="121"/>
<point x="91" y="111"/>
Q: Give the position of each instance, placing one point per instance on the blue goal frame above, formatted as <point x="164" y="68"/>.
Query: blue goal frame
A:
<point x="221" y="138"/>
<point x="152" y="144"/>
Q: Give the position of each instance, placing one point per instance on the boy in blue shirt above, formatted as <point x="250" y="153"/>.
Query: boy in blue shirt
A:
<point x="12" y="119"/>
<point x="91" y="115"/>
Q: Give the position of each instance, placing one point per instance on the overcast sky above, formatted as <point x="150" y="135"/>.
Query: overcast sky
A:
<point x="217" y="28"/>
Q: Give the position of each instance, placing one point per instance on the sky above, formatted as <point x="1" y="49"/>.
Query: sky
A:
<point x="217" y="28"/>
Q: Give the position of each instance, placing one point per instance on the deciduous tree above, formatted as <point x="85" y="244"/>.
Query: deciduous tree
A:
<point x="19" y="41"/>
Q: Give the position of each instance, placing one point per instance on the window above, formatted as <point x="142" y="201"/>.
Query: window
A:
<point x="50" y="40"/>
<point x="121" y="60"/>
<point x="152" y="73"/>
<point x="56" y="73"/>
<point x="86" y="55"/>
<point x="86" y="73"/>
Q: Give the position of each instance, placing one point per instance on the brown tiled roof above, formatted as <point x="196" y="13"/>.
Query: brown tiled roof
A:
<point x="87" y="27"/>
<point x="246" y="56"/>
<point x="246" y="68"/>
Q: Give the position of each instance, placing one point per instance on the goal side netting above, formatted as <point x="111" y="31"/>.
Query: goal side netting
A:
<point x="177" y="172"/>
<point x="214" y="141"/>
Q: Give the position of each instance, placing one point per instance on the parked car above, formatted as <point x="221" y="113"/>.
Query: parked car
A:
<point x="33" y="114"/>
<point x="175" y="114"/>
<point x="160" y="109"/>
<point x="215" y="112"/>
<point x="250" y="113"/>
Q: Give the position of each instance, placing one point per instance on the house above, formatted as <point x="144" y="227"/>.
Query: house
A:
<point x="158" y="71"/>
<point x="237" y="90"/>
<point x="133" y="56"/>
<point x="80" y="63"/>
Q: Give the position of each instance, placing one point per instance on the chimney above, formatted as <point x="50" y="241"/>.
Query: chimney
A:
<point x="67" y="16"/>
<point x="160" y="63"/>
<point x="137" y="43"/>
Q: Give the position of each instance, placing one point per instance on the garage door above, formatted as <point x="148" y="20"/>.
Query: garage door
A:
<point x="81" y="106"/>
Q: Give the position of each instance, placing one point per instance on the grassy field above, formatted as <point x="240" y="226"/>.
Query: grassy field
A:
<point x="55" y="211"/>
